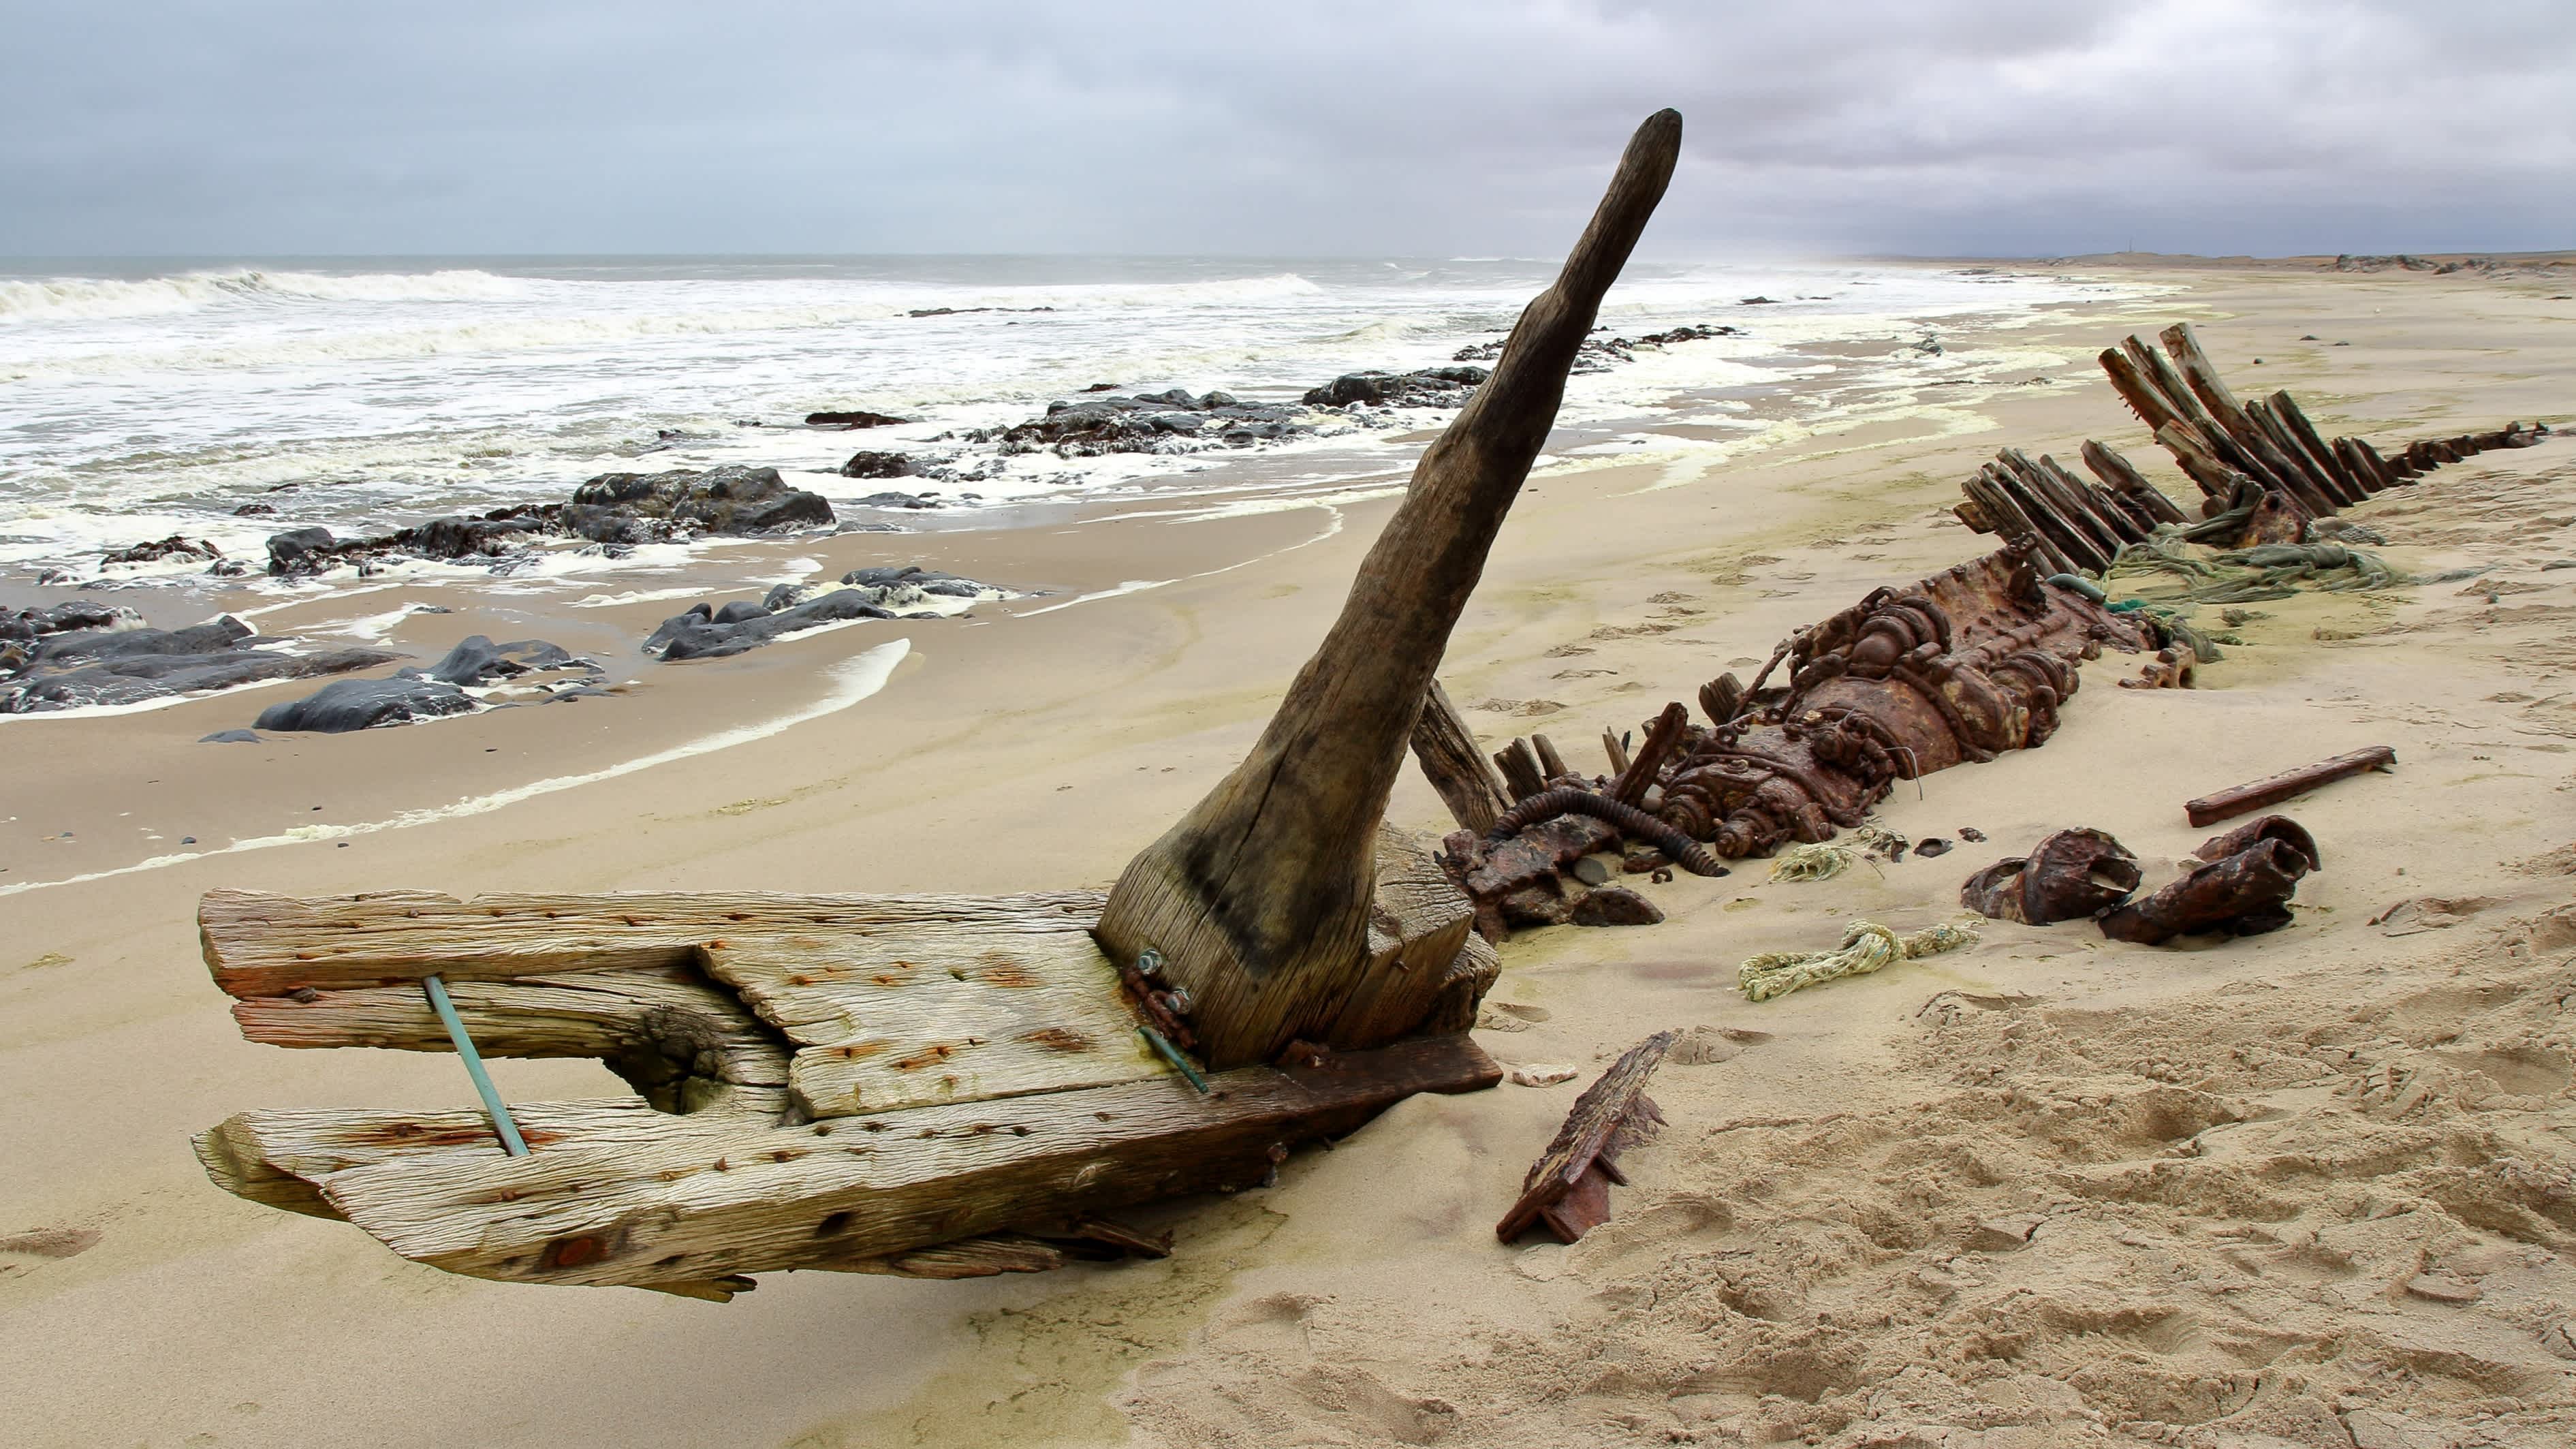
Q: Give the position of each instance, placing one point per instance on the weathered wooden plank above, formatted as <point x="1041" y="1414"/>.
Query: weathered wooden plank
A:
<point x="684" y="1043"/>
<point x="2188" y="450"/>
<point x="2285" y="407"/>
<point x="1661" y="736"/>
<point x="1522" y="776"/>
<point x="691" y="1202"/>
<point x="2124" y="479"/>
<point x="276" y="1158"/>
<point x="2273" y="789"/>
<point x="937" y="1013"/>
<point x="1456" y="767"/>
<point x="1590" y="1129"/>
<point x="258" y="944"/>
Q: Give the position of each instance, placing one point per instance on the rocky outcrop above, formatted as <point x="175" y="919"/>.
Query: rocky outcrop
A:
<point x="83" y="654"/>
<point x="853" y="419"/>
<point x="1601" y="354"/>
<point x="1431" y="387"/>
<point x="434" y="692"/>
<point x="613" y="509"/>
<point x="709" y="632"/>
<point x="732" y="501"/>
<point x="1167" y="422"/>
<point x="880" y="465"/>
<point x="300" y="552"/>
<point x="357" y="704"/>
<point x="185" y="550"/>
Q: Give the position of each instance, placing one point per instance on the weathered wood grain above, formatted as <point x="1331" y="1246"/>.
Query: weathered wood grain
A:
<point x="258" y="944"/>
<point x="694" y="1199"/>
<point x="1455" y="765"/>
<point x="937" y="1013"/>
<point x="2124" y="478"/>
<point x="1419" y="922"/>
<point x="684" y="1043"/>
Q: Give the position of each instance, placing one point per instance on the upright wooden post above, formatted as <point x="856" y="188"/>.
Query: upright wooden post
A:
<point x="1259" y="898"/>
<point x="1457" y="769"/>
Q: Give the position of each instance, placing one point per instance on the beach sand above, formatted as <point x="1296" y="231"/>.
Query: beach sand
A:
<point x="2308" y="1188"/>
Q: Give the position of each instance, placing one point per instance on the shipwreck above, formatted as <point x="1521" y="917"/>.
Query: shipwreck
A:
<point x="941" y="1086"/>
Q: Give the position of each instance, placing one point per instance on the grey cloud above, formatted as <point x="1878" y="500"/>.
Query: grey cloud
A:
<point x="1442" y="126"/>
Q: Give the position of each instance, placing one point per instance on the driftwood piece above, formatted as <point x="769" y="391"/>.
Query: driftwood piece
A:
<point x="636" y="1197"/>
<point x="2192" y="455"/>
<point x="1586" y="1147"/>
<point x="1616" y="751"/>
<point x="1420" y="976"/>
<point x="2273" y="789"/>
<point x="1464" y="779"/>
<point x="1661" y="737"/>
<point x="1258" y="898"/>
<point x="1522" y="776"/>
<point x="2063" y="535"/>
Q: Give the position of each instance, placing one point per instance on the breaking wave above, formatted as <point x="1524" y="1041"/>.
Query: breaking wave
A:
<point x="65" y="298"/>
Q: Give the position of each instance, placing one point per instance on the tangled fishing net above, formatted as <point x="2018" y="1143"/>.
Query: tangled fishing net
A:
<point x="1866" y="947"/>
<point x="2168" y="570"/>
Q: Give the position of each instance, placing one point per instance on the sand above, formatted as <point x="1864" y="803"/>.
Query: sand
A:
<point x="2309" y="1188"/>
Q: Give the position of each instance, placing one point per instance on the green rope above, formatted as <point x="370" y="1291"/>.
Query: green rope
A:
<point x="1866" y="947"/>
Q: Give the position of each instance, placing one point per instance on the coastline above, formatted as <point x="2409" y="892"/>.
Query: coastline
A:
<point x="1037" y="746"/>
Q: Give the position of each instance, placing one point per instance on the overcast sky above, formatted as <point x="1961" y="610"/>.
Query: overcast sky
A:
<point x="1998" y="127"/>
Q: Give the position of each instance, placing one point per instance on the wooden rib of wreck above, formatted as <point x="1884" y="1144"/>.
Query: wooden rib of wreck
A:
<point x="943" y="1085"/>
<point x="1956" y="668"/>
<point x="2264" y="470"/>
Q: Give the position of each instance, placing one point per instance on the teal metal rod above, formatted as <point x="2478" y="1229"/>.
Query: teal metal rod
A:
<point x="511" y="1142"/>
<point x="1173" y="1055"/>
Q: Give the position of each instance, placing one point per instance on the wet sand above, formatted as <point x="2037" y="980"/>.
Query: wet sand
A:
<point x="1797" y="1255"/>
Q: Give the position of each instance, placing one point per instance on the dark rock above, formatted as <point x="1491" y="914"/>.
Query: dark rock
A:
<point x="1102" y="387"/>
<point x="356" y="704"/>
<point x="227" y="737"/>
<point x="1164" y="422"/>
<point x="733" y="501"/>
<point x="1931" y="846"/>
<point x="700" y="633"/>
<point x="854" y="419"/>
<point x="785" y="596"/>
<point x="968" y="311"/>
<point x="1590" y="870"/>
<point x="739" y="610"/>
<point x="192" y="549"/>
<point x="1431" y="387"/>
<point x="114" y="662"/>
<point x="880" y="465"/>
<point x="255" y="510"/>
<point x="477" y="660"/>
<point x="898" y="500"/>
<point x="301" y="551"/>
<point x="1615" y="906"/>
<point x="1760" y="301"/>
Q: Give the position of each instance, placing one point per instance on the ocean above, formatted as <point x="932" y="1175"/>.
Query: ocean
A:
<point x="143" y="399"/>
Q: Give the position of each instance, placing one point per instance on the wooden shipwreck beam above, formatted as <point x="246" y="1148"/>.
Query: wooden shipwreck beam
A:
<point x="1258" y="900"/>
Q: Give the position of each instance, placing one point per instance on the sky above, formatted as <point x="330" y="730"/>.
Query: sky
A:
<point x="1313" y="127"/>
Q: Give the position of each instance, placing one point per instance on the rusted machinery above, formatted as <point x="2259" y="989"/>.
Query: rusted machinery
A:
<point x="1956" y="668"/>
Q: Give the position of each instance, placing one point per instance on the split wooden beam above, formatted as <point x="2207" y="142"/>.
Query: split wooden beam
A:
<point x="1522" y="776"/>
<point x="1258" y="899"/>
<point x="1662" y="737"/>
<point x="1568" y="1188"/>
<point x="2123" y="478"/>
<point x="1454" y="764"/>
<point x="2273" y="789"/>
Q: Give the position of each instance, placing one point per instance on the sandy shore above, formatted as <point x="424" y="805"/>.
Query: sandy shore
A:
<point x="2309" y="1185"/>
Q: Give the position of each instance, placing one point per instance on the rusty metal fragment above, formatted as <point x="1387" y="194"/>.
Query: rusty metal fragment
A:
<point x="2072" y="875"/>
<point x="2243" y="894"/>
